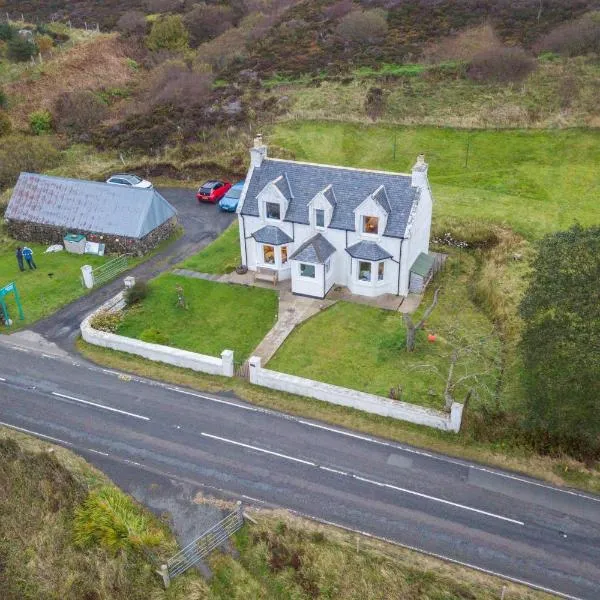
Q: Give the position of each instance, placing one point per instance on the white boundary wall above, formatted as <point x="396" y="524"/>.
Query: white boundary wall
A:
<point x="359" y="400"/>
<point x="156" y="352"/>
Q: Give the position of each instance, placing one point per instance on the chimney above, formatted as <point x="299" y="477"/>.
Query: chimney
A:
<point x="259" y="152"/>
<point x="419" y="172"/>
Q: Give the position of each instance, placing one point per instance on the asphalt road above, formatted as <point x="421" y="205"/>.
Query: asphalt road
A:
<point x="202" y="223"/>
<point x="499" y="522"/>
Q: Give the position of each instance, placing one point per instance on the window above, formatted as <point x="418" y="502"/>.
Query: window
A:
<point x="273" y="211"/>
<point x="327" y="266"/>
<point x="283" y="255"/>
<point x="269" y="255"/>
<point x="371" y="225"/>
<point x="380" y="271"/>
<point x="364" y="271"/>
<point x="307" y="270"/>
<point x="319" y="217"/>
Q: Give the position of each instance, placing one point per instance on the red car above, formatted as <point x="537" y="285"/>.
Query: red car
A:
<point x="212" y="191"/>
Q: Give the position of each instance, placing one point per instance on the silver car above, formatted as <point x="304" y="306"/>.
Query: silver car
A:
<point x="128" y="179"/>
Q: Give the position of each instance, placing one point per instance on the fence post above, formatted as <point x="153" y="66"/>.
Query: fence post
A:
<point x="164" y="573"/>
<point x="227" y="361"/>
<point x="88" y="276"/>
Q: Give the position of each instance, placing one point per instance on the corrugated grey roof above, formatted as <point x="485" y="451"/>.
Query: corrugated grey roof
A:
<point x="316" y="250"/>
<point x="350" y="186"/>
<point x="423" y="264"/>
<point x="271" y="235"/>
<point x="368" y="251"/>
<point x="79" y="205"/>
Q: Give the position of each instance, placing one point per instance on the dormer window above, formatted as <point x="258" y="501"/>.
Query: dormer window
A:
<point x="273" y="210"/>
<point x="371" y="225"/>
<point x="319" y="217"/>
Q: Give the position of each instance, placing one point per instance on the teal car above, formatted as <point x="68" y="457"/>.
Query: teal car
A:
<point x="229" y="201"/>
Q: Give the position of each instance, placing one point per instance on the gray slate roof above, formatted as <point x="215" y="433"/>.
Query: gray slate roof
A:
<point x="350" y="188"/>
<point x="316" y="250"/>
<point x="368" y="251"/>
<point x="79" y="205"/>
<point x="271" y="235"/>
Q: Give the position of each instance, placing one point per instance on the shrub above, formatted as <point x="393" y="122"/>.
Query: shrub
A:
<point x="136" y="293"/>
<point x="40" y="122"/>
<point x="575" y="38"/>
<point x="363" y="27"/>
<point x="24" y="153"/>
<point x="20" y="49"/>
<point x="204" y="23"/>
<point x="162" y="6"/>
<point x="78" y="112"/>
<point x="133" y="22"/>
<point x="168" y="33"/>
<point x="107" y="321"/>
<point x="375" y="102"/>
<point x="44" y="43"/>
<point x="154" y="336"/>
<point x="465" y="45"/>
<point x="338" y="10"/>
<point x="501" y="65"/>
<point x="112" y="520"/>
<point x="3" y="99"/>
<point x="7" y="32"/>
<point x="5" y="124"/>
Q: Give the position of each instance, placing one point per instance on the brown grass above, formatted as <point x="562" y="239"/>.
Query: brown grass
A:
<point x="100" y="62"/>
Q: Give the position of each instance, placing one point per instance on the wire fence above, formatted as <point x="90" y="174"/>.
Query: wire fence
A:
<point x="108" y="270"/>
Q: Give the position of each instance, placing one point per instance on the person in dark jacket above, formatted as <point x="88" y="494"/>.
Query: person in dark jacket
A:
<point x="28" y="256"/>
<point x="19" y="255"/>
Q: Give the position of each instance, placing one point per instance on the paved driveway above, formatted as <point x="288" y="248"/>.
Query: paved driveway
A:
<point x="202" y="223"/>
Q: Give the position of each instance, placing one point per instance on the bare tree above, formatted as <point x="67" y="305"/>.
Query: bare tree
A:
<point x="411" y="328"/>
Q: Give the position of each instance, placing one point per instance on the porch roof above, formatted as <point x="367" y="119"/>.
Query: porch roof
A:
<point x="271" y="235"/>
<point x="368" y="251"/>
<point x="316" y="250"/>
<point x="423" y="264"/>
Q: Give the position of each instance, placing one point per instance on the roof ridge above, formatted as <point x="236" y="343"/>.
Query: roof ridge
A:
<point x="329" y="166"/>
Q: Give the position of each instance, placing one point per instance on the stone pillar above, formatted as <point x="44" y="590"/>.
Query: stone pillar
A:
<point x="129" y="282"/>
<point x="456" y="411"/>
<point x="88" y="276"/>
<point x="254" y="368"/>
<point x="164" y="573"/>
<point x="227" y="358"/>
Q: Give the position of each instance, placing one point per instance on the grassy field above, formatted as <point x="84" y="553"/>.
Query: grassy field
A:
<point x="218" y="316"/>
<point x="529" y="180"/>
<point x="54" y="283"/>
<point x="221" y="256"/>
<point x="363" y="348"/>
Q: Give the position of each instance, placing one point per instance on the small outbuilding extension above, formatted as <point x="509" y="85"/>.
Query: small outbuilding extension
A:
<point x="44" y="209"/>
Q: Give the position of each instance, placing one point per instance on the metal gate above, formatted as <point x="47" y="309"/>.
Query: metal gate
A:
<point x="242" y="369"/>
<point x="193" y="553"/>
<point x="109" y="270"/>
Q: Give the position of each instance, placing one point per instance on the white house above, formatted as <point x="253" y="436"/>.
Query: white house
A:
<point x="324" y="225"/>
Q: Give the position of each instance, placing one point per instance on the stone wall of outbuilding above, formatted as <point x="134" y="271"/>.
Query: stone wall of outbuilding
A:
<point x="51" y="234"/>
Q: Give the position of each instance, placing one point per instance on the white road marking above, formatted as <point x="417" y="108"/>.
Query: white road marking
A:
<point x="445" y="459"/>
<point x="440" y="500"/>
<point x="218" y="400"/>
<point x="253" y="499"/>
<point x="534" y="586"/>
<point x="123" y="412"/>
<point x="48" y="437"/>
<point x="97" y="452"/>
<point x="2" y="379"/>
<point x="263" y="450"/>
<point x="333" y="470"/>
<point x="109" y="372"/>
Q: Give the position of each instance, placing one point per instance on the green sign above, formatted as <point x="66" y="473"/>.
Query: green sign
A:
<point x="8" y="289"/>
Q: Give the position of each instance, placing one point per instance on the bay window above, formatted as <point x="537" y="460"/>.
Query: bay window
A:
<point x="364" y="271"/>
<point x="269" y="255"/>
<point x="380" y="271"/>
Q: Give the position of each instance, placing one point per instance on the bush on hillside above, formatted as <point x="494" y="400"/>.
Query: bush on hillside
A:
<point x="575" y="38"/>
<point x="44" y="43"/>
<point x="3" y="99"/>
<point x="25" y="153"/>
<point x="133" y="22"/>
<point x="338" y="10"/>
<point x="163" y="6"/>
<point x="40" y="122"/>
<point x="375" y="102"/>
<point x="78" y="112"/>
<point x="5" y="124"/>
<point x="7" y="32"/>
<point x="20" y="49"/>
<point x="465" y="45"/>
<point x="501" y="65"/>
<point x="168" y="33"/>
<point x="205" y="22"/>
<point x="363" y="27"/>
<point x="136" y="293"/>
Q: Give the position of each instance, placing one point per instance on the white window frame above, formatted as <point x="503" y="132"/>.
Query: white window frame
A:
<point x="267" y="217"/>
<point x="358" y="271"/>
<point x="278" y="264"/>
<point x="327" y="265"/>
<point x="317" y="211"/>
<point x="381" y="271"/>
<point x="362" y="225"/>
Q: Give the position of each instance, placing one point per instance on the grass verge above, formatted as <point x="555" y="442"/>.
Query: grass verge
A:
<point x="217" y="316"/>
<point x="559" y="471"/>
<point x="220" y="256"/>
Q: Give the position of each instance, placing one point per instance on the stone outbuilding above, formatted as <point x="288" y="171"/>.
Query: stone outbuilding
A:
<point x="44" y="209"/>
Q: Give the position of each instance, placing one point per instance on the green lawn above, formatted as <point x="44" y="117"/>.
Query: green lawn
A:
<point x="54" y="283"/>
<point x="221" y="256"/>
<point x="219" y="316"/>
<point x="534" y="181"/>
<point x="363" y="348"/>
